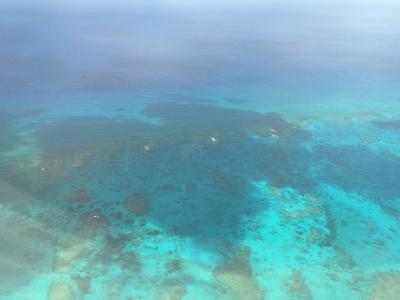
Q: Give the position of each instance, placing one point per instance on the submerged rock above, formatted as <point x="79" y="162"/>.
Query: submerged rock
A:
<point x="297" y="287"/>
<point x="172" y="290"/>
<point x="223" y="182"/>
<point x="78" y="197"/>
<point x="315" y="236"/>
<point x="138" y="203"/>
<point x="344" y="259"/>
<point x="114" y="252"/>
<point x="174" y="265"/>
<point x="83" y="283"/>
<point x="302" y="213"/>
<point x="95" y="219"/>
<point x="387" y="286"/>
<point x="70" y="254"/>
<point x="190" y="187"/>
<point x="130" y="261"/>
<point x="61" y="291"/>
<point x="235" y="278"/>
<point x="167" y="187"/>
<point x="25" y="252"/>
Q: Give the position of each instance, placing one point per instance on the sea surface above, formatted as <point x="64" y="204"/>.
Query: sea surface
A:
<point x="184" y="150"/>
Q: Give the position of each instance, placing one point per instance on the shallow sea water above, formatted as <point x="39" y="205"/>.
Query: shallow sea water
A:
<point x="198" y="150"/>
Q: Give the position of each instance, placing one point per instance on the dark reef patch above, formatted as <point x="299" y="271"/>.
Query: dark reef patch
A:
<point x="138" y="203"/>
<point x="78" y="197"/>
<point x="297" y="287"/>
<point x="236" y="100"/>
<point x="94" y="219"/>
<point x="387" y="125"/>
<point x="196" y="168"/>
<point x="115" y="252"/>
<point x="208" y="119"/>
<point x="94" y="135"/>
<point x="234" y="277"/>
<point x="189" y="99"/>
<point x="224" y="167"/>
<point x="358" y="169"/>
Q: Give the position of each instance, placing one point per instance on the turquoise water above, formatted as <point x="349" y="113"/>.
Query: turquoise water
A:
<point x="170" y="150"/>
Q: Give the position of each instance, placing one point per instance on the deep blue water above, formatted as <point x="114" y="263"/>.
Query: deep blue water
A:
<point x="198" y="150"/>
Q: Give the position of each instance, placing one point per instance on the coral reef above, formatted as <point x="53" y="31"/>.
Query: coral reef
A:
<point x="200" y="187"/>
<point x="130" y="260"/>
<point x="94" y="219"/>
<point x="174" y="265"/>
<point x="297" y="287"/>
<point x="25" y="251"/>
<point x="235" y="278"/>
<point x="224" y="183"/>
<point x="60" y="291"/>
<point x="172" y="290"/>
<point x="190" y="187"/>
<point x="343" y="258"/>
<point x="138" y="203"/>
<point x="70" y="253"/>
<point x="78" y="197"/>
<point x="387" y="286"/>
<point x="83" y="283"/>
<point x="302" y="213"/>
<point x="315" y="236"/>
<point x="115" y="252"/>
